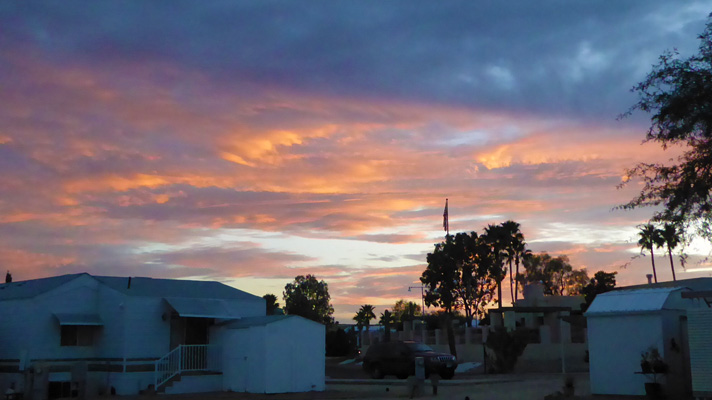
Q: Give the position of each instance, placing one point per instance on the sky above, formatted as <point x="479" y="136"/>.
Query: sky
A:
<point x="249" y="142"/>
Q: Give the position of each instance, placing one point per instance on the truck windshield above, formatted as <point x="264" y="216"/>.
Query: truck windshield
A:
<point x="419" y="347"/>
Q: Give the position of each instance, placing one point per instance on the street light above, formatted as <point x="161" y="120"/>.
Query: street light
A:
<point x="422" y="298"/>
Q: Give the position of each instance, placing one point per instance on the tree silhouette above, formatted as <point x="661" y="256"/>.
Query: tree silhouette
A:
<point x="309" y="298"/>
<point x="515" y="250"/>
<point x="555" y="273"/>
<point x="270" y="303"/>
<point x="672" y="237"/>
<point x="498" y="240"/>
<point x="406" y="310"/>
<point x="442" y="280"/>
<point x="365" y="314"/>
<point x="600" y="283"/>
<point x="650" y="238"/>
<point x="387" y="318"/>
<point x="678" y="94"/>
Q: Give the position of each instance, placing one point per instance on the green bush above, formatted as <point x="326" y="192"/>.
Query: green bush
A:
<point x="507" y="346"/>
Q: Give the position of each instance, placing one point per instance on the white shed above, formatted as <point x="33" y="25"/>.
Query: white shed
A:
<point x="623" y="324"/>
<point x="273" y="354"/>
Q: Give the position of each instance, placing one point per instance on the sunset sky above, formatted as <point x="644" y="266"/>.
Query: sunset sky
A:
<point x="250" y="142"/>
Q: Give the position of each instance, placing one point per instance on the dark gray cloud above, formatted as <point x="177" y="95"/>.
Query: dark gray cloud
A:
<point x="560" y="57"/>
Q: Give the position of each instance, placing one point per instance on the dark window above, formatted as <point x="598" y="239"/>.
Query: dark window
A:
<point x="61" y="390"/>
<point x="76" y="335"/>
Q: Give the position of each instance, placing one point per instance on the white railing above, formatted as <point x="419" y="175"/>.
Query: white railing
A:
<point x="194" y="357"/>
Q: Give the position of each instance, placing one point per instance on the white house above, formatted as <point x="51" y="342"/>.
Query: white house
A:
<point x="623" y="324"/>
<point x="127" y="335"/>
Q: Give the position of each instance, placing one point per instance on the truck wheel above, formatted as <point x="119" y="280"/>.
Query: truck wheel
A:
<point x="447" y="374"/>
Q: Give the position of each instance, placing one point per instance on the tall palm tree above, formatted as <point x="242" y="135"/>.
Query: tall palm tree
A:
<point x="367" y="314"/>
<point x="360" y="321"/>
<point x="520" y="254"/>
<point x="497" y="240"/>
<point x="386" y="320"/>
<point x="672" y="237"/>
<point x="511" y="230"/>
<point x="650" y="238"/>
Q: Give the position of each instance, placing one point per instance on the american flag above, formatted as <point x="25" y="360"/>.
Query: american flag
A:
<point x="446" y="225"/>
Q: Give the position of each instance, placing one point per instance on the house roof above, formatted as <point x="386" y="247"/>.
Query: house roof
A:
<point x="532" y="309"/>
<point x="631" y="300"/>
<point x="152" y="287"/>
<point x="704" y="283"/>
<point x="34" y="287"/>
<point x="145" y="287"/>
<point x="257" y="321"/>
<point x="202" y="308"/>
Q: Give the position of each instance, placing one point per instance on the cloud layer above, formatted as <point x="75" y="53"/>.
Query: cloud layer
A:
<point x="251" y="142"/>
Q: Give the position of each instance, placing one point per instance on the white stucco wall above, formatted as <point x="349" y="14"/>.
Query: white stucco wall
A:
<point x="615" y="345"/>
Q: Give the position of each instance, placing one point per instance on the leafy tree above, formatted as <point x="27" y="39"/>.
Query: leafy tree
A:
<point x="507" y="347"/>
<point x="309" y="298"/>
<point x="672" y="237"/>
<point x="406" y="310"/>
<point x="576" y="280"/>
<point x="387" y="319"/>
<point x="484" y="282"/>
<point x="601" y="282"/>
<point x="678" y="94"/>
<point x="271" y="303"/>
<point x="442" y="280"/>
<point x="463" y="251"/>
<point x="650" y="238"/>
<point x="555" y="273"/>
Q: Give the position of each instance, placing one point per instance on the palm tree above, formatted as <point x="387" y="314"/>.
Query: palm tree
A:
<point x="521" y="253"/>
<point x="672" y="237"/>
<point x="367" y="314"/>
<point x="386" y="320"/>
<point x="360" y="321"/>
<point x="649" y="238"/>
<point x="511" y="230"/>
<point x="497" y="240"/>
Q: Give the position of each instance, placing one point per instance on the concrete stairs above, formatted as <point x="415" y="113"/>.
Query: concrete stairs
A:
<point x="193" y="382"/>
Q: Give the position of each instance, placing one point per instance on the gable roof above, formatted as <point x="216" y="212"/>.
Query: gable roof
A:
<point x="34" y="287"/>
<point x="150" y="287"/>
<point x="631" y="301"/>
<point x="703" y="283"/>
<point x="144" y="287"/>
<point x="256" y="321"/>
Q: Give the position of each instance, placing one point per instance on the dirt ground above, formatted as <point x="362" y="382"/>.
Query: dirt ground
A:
<point x="503" y="387"/>
<point x="348" y="381"/>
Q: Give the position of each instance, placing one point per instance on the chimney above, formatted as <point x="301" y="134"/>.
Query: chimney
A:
<point x="650" y="278"/>
<point x="8" y="277"/>
<point x="129" y="285"/>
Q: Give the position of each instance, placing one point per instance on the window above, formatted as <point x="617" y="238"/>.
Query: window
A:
<point x="76" y="335"/>
<point x="62" y="390"/>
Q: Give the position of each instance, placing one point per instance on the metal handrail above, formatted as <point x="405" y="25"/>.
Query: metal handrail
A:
<point x="184" y="358"/>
